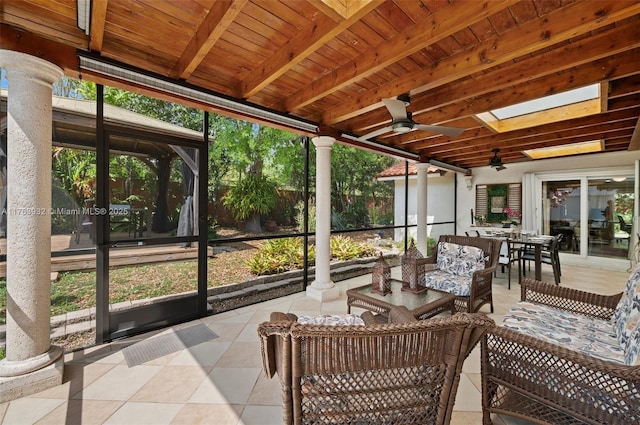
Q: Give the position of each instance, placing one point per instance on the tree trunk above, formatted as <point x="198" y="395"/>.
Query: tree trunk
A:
<point x="253" y="224"/>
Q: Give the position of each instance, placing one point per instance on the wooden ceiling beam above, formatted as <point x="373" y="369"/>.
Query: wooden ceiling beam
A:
<point x="611" y="145"/>
<point x="470" y="152"/>
<point x="441" y="24"/>
<point x="340" y="10"/>
<point x="220" y="16"/>
<point x="556" y="83"/>
<point x="625" y="86"/>
<point x="515" y="136"/>
<point x="559" y="26"/>
<point x="634" y="143"/>
<point x="475" y="94"/>
<point x="25" y="42"/>
<point x="299" y="48"/>
<point x="586" y="61"/>
<point x="98" y="19"/>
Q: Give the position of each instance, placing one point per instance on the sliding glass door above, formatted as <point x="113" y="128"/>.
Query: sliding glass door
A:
<point x="593" y="213"/>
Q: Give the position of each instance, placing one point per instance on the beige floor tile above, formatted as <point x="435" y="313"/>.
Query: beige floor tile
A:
<point x="205" y="354"/>
<point x="203" y="414"/>
<point x="172" y="384"/>
<point x="249" y="333"/>
<point x="3" y="411"/>
<point x="469" y="398"/>
<point x="306" y="304"/>
<point x="120" y="383"/>
<point x="223" y="378"/>
<point x="238" y="318"/>
<point x="267" y="391"/>
<point x="87" y="412"/>
<point x="467" y="418"/>
<point x="139" y="413"/>
<point x="262" y="315"/>
<point x="29" y="410"/>
<point x="241" y="354"/>
<point x="226" y="385"/>
<point x="261" y="415"/>
<point x="76" y="377"/>
<point x="472" y="362"/>
<point x="226" y="331"/>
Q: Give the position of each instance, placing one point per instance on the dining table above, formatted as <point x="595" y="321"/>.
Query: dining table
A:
<point x="538" y="242"/>
<point x="524" y="241"/>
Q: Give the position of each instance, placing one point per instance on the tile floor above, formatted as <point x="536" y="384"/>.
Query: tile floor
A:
<point x="221" y="381"/>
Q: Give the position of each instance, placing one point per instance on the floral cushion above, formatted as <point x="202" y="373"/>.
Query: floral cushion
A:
<point x="448" y="282"/>
<point x="587" y="335"/>
<point x="626" y="318"/>
<point x="331" y="319"/>
<point x="459" y="260"/>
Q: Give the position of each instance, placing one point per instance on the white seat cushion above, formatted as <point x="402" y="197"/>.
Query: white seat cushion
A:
<point x="587" y="335"/>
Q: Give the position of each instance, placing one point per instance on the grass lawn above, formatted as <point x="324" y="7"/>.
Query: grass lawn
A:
<point x="76" y="290"/>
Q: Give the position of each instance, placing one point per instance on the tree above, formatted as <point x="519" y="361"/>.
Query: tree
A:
<point x="353" y="174"/>
<point x="249" y="151"/>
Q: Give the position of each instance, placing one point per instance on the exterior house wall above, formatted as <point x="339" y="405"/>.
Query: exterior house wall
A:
<point x="440" y="201"/>
<point x="514" y="173"/>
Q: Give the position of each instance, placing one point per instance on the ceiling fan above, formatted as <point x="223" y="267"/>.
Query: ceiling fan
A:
<point x="496" y="161"/>
<point x="403" y="123"/>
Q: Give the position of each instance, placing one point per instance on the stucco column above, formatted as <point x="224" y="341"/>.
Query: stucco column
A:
<point x="32" y="363"/>
<point x="322" y="288"/>
<point x="423" y="170"/>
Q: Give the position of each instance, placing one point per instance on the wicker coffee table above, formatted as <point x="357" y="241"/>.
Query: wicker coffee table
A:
<point x="423" y="305"/>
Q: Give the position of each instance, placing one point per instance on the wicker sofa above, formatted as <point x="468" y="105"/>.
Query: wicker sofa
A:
<point x="406" y="372"/>
<point x="564" y="356"/>
<point x="462" y="266"/>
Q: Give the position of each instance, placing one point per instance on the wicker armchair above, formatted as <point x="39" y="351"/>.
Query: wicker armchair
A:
<point x="480" y="285"/>
<point x="546" y="383"/>
<point x="383" y="373"/>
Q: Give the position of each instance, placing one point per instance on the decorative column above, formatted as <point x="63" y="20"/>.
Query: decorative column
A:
<point x="32" y="364"/>
<point x="322" y="288"/>
<point x="423" y="171"/>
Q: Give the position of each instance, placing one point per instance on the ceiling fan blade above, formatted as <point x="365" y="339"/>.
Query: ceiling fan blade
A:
<point x="447" y="131"/>
<point x="377" y="133"/>
<point x="500" y="168"/>
<point x="396" y="108"/>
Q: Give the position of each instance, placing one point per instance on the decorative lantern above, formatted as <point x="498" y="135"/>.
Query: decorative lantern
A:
<point x="381" y="277"/>
<point x="410" y="281"/>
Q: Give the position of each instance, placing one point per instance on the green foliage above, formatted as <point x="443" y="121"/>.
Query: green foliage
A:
<point x="344" y="248"/>
<point x="75" y="172"/>
<point x="300" y="216"/>
<point x="253" y="195"/>
<point x="280" y="255"/>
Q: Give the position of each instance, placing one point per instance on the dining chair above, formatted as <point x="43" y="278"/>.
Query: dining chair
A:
<point x="509" y="254"/>
<point x="549" y="256"/>
<point x="624" y="226"/>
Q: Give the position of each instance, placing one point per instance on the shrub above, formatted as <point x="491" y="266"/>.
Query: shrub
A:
<point x="300" y="216"/>
<point x="281" y="255"/>
<point x="344" y="248"/>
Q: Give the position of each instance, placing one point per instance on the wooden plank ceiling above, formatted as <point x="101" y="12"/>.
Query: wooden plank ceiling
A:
<point x="333" y="61"/>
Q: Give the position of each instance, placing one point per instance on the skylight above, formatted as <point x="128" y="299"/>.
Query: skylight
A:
<point x="545" y="110"/>
<point x="566" y="150"/>
<point x="548" y="102"/>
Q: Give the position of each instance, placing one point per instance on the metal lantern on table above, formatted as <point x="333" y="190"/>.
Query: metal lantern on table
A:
<point x="412" y="276"/>
<point x="381" y="277"/>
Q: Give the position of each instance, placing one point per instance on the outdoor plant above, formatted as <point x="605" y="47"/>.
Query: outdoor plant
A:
<point x="280" y="255"/>
<point x="344" y="248"/>
<point x="252" y="197"/>
<point x="300" y="216"/>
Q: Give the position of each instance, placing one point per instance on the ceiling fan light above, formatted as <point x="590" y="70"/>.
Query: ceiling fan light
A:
<point x="402" y="127"/>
